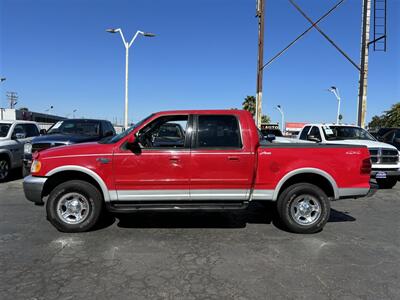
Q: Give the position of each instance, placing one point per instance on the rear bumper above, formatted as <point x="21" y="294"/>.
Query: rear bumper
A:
<point x="388" y="172"/>
<point x="346" y="193"/>
<point x="33" y="188"/>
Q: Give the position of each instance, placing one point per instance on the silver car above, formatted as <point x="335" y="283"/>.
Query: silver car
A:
<point x="13" y="136"/>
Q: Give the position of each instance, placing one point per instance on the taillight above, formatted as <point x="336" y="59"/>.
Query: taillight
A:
<point x="366" y="166"/>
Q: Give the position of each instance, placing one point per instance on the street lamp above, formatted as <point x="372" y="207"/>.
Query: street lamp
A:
<point x="279" y="108"/>
<point x="2" y="79"/>
<point x="50" y="108"/>
<point x="335" y="91"/>
<point x="73" y="113"/>
<point x="127" y="46"/>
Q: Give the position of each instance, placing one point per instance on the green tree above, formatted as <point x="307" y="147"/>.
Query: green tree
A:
<point x="249" y="104"/>
<point x="265" y="119"/>
<point x="391" y="118"/>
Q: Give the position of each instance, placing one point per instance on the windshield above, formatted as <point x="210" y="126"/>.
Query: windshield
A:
<point x="335" y="133"/>
<point x="82" y="127"/>
<point x="120" y="136"/>
<point x="4" y="128"/>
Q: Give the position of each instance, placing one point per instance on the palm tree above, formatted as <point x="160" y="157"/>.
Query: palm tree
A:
<point x="249" y="104"/>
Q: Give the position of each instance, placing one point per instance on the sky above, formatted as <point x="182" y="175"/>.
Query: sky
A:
<point x="57" y="53"/>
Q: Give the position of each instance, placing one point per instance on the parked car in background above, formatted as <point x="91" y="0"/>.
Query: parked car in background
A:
<point x="221" y="164"/>
<point x="13" y="136"/>
<point x="389" y="136"/>
<point x="272" y="133"/>
<point x="384" y="157"/>
<point x="67" y="132"/>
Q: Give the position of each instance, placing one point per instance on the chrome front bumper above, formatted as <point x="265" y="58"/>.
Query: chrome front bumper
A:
<point x="33" y="187"/>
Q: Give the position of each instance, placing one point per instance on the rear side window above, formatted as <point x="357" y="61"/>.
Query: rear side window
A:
<point x="218" y="131"/>
<point x="303" y="135"/>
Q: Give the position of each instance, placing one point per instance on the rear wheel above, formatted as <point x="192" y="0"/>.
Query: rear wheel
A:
<point x="386" y="183"/>
<point x="74" y="206"/>
<point x="304" y="208"/>
<point x="4" y="168"/>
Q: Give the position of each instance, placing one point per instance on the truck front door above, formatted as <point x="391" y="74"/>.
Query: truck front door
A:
<point x="157" y="170"/>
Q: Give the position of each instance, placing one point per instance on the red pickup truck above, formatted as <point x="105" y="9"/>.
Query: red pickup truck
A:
<point x="208" y="159"/>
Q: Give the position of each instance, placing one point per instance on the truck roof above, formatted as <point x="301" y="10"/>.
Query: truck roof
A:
<point x="204" y="111"/>
<point x="330" y="124"/>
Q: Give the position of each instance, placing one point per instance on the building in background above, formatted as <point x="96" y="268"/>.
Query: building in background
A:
<point x="44" y="120"/>
<point x="293" y="128"/>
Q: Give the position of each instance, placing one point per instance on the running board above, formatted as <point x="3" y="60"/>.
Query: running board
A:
<point x="134" y="206"/>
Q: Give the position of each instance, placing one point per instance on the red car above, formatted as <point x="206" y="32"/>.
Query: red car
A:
<point x="222" y="162"/>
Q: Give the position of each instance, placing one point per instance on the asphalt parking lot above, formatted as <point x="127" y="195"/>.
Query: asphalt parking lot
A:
<point x="240" y="255"/>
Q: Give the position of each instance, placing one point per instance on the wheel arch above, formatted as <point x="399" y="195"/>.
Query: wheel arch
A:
<point x="310" y="175"/>
<point x="7" y="154"/>
<point x="70" y="172"/>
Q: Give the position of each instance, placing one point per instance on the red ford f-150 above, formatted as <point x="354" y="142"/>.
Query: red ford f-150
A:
<point x="217" y="161"/>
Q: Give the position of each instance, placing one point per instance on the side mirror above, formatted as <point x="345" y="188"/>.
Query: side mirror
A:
<point x="43" y="131"/>
<point x="313" y="138"/>
<point x="132" y="139"/>
<point x="270" y="137"/>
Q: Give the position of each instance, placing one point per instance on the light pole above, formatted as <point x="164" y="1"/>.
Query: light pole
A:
<point x="2" y="79"/>
<point x="127" y="46"/>
<point x="335" y="91"/>
<point x="279" y="108"/>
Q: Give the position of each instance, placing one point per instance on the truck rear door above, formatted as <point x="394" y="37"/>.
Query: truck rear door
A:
<point x="222" y="165"/>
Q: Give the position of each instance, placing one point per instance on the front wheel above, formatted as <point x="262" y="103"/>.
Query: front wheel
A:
<point x="74" y="206"/>
<point x="304" y="208"/>
<point x="386" y="183"/>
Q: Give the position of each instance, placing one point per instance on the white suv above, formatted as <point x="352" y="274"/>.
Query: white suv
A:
<point x="384" y="157"/>
<point x="13" y="136"/>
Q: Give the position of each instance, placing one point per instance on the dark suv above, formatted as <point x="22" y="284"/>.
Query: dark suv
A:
<point x="389" y="136"/>
<point x="66" y="132"/>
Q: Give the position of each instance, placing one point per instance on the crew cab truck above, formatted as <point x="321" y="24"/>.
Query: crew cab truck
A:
<point x="223" y="163"/>
<point x="384" y="157"/>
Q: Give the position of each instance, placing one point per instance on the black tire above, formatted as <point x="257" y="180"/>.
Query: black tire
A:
<point x="4" y="168"/>
<point x="87" y="194"/>
<point x="288" y="204"/>
<point x="387" y="183"/>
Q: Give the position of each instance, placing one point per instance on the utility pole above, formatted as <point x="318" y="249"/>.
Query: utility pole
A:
<point x="363" y="84"/>
<point x="12" y="98"/>
<point x="260" y="62"/>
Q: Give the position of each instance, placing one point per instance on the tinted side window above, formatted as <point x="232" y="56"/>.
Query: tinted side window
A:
<point x="218" y="132"/>
<point x="315" y="132"/>
<point x="107" y="126"/>
<point x="30" y="130"/>
<point x="388" y="137"/>
<point x="303" y="135"/>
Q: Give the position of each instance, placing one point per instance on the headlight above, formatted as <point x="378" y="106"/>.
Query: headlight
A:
<point x="28" y="148"/>
<point x="36" y="166"/>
